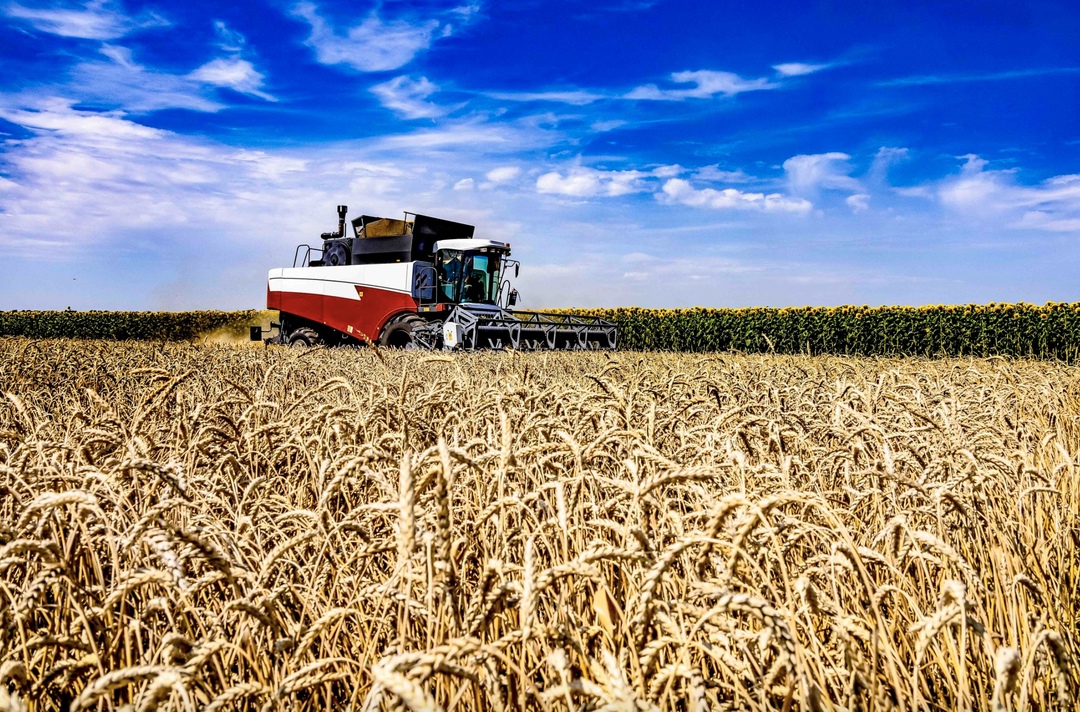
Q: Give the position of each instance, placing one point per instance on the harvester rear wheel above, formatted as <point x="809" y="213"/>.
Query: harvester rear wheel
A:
<point x="398" y="333"/>
<point x="305" y="337"/>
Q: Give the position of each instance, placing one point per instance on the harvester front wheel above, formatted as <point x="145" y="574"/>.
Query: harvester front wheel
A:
<point x="305" y="337"/>
<point x="398" y="333"/>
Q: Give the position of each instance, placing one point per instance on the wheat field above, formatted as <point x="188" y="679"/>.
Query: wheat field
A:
<point x="214" y="527"/>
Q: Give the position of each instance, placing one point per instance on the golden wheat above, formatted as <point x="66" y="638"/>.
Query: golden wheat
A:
<point x="213" y="527"/>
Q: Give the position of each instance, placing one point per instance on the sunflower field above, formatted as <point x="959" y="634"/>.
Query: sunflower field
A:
<point x="1050" y="331"/>
<point x="1023" y="330"/>
<point x="125" y="325"/>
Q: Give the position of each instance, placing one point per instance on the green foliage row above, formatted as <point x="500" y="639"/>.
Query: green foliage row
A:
<point x="1025" y="330"/>
<point x="125" y="325"/>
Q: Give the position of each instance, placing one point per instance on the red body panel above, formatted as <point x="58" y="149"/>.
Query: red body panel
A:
<point x="359" y="318"/>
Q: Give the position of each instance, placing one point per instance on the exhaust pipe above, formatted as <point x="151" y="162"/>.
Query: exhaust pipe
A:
<point x="342" y="210"/>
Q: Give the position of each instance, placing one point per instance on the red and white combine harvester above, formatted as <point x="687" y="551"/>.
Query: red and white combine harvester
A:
<point x="420" y="282"/>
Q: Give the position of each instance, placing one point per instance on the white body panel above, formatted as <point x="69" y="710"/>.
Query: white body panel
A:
<point x="342" y="281"/>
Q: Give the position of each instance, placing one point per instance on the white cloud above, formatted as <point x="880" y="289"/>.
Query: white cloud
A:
<point x="84" y="185"/>
<point x="372" y="46"/>
<point x="995" y="195"/>
<point x="706" y="84"/>
<point x="575" y="96"/>
<point x="119" y="81"/>
<point x="703" y="84"/>
<point x="491" y="139"/>
<point x="503" y="174"/>
<point x="228" y="40"/>
<point x="1041" y="220"/>
<point x="270" y="166"/>
<point x="798" y="69"/>
<point x="55" y="116"/>
<point x="915" y="191"/>
<point x="406" y="96"/>
<point x="236" y="74"/>
<point x="681" y="191"/>
<point x="860" y="202"/>
<point x="715" y="174"/>
<point x="885" y="158"/>
<point x="932" y="79"/>
<point x="466" y="12"/>
<point x="977" y="190"/>
<point x="85" y="178"/>
<point x="667" y="171"/>
<point x="808" y="173"/>
<point x="608" y="125"/>
<point x="582" y="182"/>
<point x="699" y="84"/>
<point x="96" y="20"/>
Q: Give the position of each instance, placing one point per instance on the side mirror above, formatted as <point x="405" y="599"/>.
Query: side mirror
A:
<point x="517" y="269"/>
<point x="511" y="300"/>
<point x="255" y="333"/>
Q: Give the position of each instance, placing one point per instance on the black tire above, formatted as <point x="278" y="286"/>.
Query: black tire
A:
<point x="305" y="337"/>
<point x="398" y="332"/>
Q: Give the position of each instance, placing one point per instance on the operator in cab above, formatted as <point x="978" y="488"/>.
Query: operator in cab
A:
<point x="474" y="288"/>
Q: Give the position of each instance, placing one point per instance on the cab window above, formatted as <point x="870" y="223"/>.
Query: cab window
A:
<point x="480" y="278"/>
<point x="449" y="269"/>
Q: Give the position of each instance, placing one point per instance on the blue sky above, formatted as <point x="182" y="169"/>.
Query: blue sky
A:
<point x="634" y="152"/>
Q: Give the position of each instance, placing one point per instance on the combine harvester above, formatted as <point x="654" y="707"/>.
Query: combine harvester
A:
<point x="420" y="283"/>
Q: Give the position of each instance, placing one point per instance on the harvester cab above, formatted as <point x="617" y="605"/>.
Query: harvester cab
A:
<point x="470" y="272"/>
<point x="419" y="282"/>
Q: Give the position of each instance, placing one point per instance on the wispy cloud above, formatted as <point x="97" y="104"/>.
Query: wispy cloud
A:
<point x="984" y="194"/>
<point x="120" y="81"/>
<point x="798" y="69"/>
<point x="234" y="73"/>
<point x="494" y="140"/>
<point x="698" y="84"/>
<point x="885" y="158"/>
<point x="930" y="79"/>
<point x="77" y="162"/>
<point x="705" y="85"/>
<point x="1047" y="221"/>
<point x="374" y="45"/>
<point x="577" y="97"/>
<point x="809" y="173"/>
<point x="677" y="190"/>
<point x="56" y="116"/>
<point x="407" y="96"/>
<point x="598" y="11"/>
<point x="859" y="202"/>
<point x="229" y="40"/>
<point x="604" y="125"/>
<point x="716" y="174"/>
<point x="95" y="20"/>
